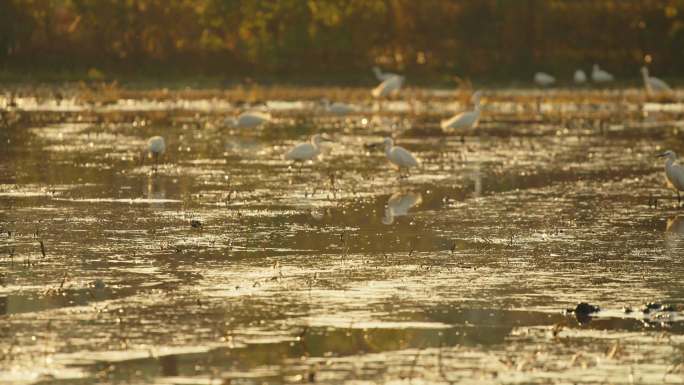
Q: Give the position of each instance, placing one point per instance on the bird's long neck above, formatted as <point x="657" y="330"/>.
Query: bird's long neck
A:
<point x="669" y="161"/>
<point x="388" y="148"/>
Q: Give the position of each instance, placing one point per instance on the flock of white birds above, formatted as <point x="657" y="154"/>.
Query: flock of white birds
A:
<point x="599" y="75"/>
<point x="402" y="159"/>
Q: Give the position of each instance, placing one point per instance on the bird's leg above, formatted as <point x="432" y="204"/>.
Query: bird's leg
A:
<point x="679" y="199"/>
<point x="156" y="161"/>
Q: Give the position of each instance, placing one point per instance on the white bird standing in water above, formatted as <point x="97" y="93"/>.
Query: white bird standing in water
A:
<point x="465" y="120"/>
<point x="652" y="83"/>
<point x="306" y="151"/>
<point x="382" y="76"/>
<point x="399" y="156"/>
<point x="388" y="87"/>
<point x="399" y="204"/>
<point x="600" y="76"/>
<point x="338" y="108"/>
<point x="249" y="119"/>
<point x="156" y="146"/>
<point x="544" y="79"/>
<point x="674" y="172"/>
<point x="580" y="77"/>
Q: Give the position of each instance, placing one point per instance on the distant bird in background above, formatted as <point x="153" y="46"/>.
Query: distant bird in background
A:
<point x="156" y="146"/>
<point x="543" y="79"/>
<point x="600" y="76"/>
<point x="382" y="76"/>
<point x="580" y="77"/>
<point x="248" y="119"/>
<point x="306" y="151"/>
<point x="674" y="172"/>
<point x="338" y="108"/>
<point x="652" y="83"/>
<point x="465" y="120"/>
<point x="388" y="87"/>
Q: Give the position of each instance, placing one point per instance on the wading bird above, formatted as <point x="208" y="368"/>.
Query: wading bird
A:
<point x="399" y="156"/>
<point x="306" y="151"/>
<point x="544" y="79"/>
<point x="388" y="87"/>
<point x="674" y="172"/>
<point x="465" y="120"/>
<point x="580" y="77"/>
<point x="382" y="76"/>
<point x="338" y="108"/>
<point x="249" y="119"/>
<point x="600" y="76"/>
<point x="156" y="146"/>
<point x="653" y="84"/>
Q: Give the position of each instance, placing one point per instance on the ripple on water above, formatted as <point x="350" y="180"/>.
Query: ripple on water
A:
<point x="230" y="264"/>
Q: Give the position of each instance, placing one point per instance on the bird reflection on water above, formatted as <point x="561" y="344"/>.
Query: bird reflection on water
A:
<point x="399" y="204"/>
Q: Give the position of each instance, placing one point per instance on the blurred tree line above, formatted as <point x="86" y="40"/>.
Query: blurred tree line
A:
<point x="331" y="39"/>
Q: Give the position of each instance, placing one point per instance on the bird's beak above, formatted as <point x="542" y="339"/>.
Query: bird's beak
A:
<point x="373" y="145"/>
<point x="661" y="155"/>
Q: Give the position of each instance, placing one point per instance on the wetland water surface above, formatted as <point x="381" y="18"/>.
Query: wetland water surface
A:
<point x="229" y="266"/>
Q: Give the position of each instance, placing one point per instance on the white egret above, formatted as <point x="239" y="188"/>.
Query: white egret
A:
<point x="465" y="120"/>
<point x="306" y="151"/>
<point x="580" y="77"/>
<point x="388" y="87"/>
<point x="674" y="172"/>
<point x="338" y="108"/>
<point x="382" y="76"/>
<point x="156" y="146"/>
<point x="399" y="204"/>
<point x="653" y="84"/>
<point x="600" y="76"/>
<point x="249" y="119"/>
<point x="399" y="156"/>
<point x="543" y="79"/>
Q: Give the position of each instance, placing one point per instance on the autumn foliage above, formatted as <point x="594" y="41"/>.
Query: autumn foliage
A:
<point x="496" y="38"/>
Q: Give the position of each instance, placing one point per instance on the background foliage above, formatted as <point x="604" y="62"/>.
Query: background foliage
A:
<point x="334" y="39"/>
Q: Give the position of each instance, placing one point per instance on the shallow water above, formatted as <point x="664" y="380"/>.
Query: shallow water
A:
<point x="228" y="265"/>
